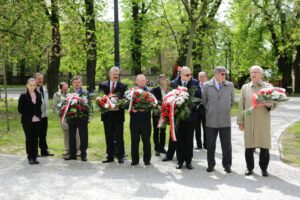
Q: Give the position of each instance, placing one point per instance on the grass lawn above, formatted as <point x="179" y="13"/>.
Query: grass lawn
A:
<point x="13" y="142"/>
<point x="290" y="141"/>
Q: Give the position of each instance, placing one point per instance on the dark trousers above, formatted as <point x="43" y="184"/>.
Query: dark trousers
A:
<point x="142" y="130"/>
<point x="185" y="139"/>
<point x="201" y="120"/>
<point x="82" y="126"/>
<point x="264" y="158"/>
<point x="225" y="138"/>
<point x="42" y="135"/>
<point x="31" y="138"/>
<point x="171" y="149"/>
<point x="159" y="136"/>
<point x="114" y="132"/>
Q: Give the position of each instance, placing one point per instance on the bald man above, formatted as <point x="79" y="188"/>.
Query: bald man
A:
<point x="140" y="127"/>
<point x="185" y="128"/>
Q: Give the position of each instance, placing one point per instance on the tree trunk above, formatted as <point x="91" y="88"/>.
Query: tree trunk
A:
<point x="53" y="67"/>
<point x="136" y="40"/>
<point x="5" y="95"/>
<point x="91" y="50"/>
<point x="296" y="66"/>
<point x="285" y="67"/>
<point x="190" y="47"/>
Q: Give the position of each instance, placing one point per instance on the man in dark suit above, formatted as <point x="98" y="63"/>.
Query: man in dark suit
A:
<point x="185" y="128"/>
<point x="78" y="123"/>
<point x="201" y="118"/>
<point x="159" y="134"/>
<point x="113" y="120"/>
<point x="140" y="126"/>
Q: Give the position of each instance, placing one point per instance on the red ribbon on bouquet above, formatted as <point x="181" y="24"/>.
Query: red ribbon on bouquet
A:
<point x="68" y="100"/>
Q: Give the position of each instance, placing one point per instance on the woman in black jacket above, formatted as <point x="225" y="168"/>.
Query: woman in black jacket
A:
<point x="30" y="108"/>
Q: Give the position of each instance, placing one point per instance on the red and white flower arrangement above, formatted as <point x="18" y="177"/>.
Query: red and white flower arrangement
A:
<point x="140" y="100"/>
<point x="175" y="106"/>
<point x="267" y="95"/>
<point x="106" y="103"/>
<point x="74" y="106"/>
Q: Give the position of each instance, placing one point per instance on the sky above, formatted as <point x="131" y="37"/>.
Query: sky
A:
<point x="109" y="15"/>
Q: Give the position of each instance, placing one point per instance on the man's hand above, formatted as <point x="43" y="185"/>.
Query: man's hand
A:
<point x="241" y="127"/>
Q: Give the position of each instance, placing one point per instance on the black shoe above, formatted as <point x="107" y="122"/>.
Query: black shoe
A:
<point x="70" y="158"/>
<point x="134" y="163"/>
<point x="189" y="166"/>
<point x="248" y="172"/>
<point x="166" y="159"/>
<point x="120" y="160"/>
<point x="264" y="173"/>
<point x="36" y="161"/>
<point x="46" y="154"/>
<point x="198" y="148"/>
<point x="147" y="163"/>
<point x="204" y="146"/>
<point x="84" y="159"/>
<point x="108" y="160"/>
<point x="210" y="169"/>
<point x="162" y="151"/>
<point x="227" y="169"/>
<point x="157" y="153"/>
<point x="31" y="161"/>
<point x="179" y="166"/>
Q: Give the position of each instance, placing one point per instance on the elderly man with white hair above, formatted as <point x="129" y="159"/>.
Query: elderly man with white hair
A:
<point x="256" y="125"/>
<point x="113" y="120"/>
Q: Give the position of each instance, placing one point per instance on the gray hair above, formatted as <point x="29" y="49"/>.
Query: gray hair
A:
<point x="202" y="72"/>
<point x="37" y="74"/>
<point x="258" y="68"/>
<point x="185" y="68"/>
<point x="114" y="69"/>
<point x="219" y="69"/>
<point x="30" y="79"/>
<point x="76" y="78"/>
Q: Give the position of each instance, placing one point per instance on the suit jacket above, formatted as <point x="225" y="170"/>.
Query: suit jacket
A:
<point x="120" y="89"/>
<point x="141" y="117"/>
<point x="45" y="101"/>
<point x="27" y="109"/>
<point x="157" y="93"/>
<point x="218" y="104"/>
<point x="193" y="83"/>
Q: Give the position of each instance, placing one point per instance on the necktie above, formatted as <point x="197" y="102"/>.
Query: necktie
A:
<point x="220" y="86"/>
<point x="42" y="91"/>
<point x="184" y="84"/>
<point x="113" y="87"/>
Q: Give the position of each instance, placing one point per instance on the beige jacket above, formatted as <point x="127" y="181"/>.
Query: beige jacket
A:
<point x="257" y="130"/>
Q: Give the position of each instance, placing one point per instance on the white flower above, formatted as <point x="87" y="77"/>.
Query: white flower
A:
<point x="113" y="100"/>
<point x="106" y="106"/>
<point x="170" y="99"/>
<point x="184" y="95"/>
<point x="113" y="105"/>
<point x="180" y="101"/>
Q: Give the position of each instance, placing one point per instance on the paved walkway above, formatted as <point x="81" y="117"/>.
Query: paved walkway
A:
<point x="58" y="179"/>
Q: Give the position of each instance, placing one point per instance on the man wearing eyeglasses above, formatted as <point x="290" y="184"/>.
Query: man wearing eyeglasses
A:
<point x="185" y="128"/>
<point x="218" y="97"/>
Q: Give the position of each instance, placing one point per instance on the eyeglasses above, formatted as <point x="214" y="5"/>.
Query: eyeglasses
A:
<point x="187" y="75"/>
<point x="223" y="74"/>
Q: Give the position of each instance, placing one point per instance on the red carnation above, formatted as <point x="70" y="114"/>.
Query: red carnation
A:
<point x="146" y="95"/>
<point x="102" y="103"/>
<point x="270" y="92"/>
<point x="137" y="94"/>
<point x="138" y="100"/>
<point x="149" y="99"/>
<point x="262" y="92"/>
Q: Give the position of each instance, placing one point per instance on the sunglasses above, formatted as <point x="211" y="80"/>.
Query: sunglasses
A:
<point x="223" y="74"/>
<point x="187" y="75"/>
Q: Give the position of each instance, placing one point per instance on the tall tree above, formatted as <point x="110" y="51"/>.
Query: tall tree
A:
<point x="91" y="44"/>
<point x="53" y="68"/>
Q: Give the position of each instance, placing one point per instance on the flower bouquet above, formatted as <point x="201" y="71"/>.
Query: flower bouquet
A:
<point x="107" y="103"/>
<point x="140" y="100"/>
<point x="74" y="106"/>
<point x="176" y="106"/>
<point x="267" y="95"/>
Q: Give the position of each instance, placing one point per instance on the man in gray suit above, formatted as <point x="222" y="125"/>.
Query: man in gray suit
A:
<point x="218" y="97"/>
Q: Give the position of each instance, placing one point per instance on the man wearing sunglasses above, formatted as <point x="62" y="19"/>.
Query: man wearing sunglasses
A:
<point x="218" y="97"/>
<point x="185" y="128"/>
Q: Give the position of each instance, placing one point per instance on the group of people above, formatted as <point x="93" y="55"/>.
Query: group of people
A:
<point x="212" y="116"/>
